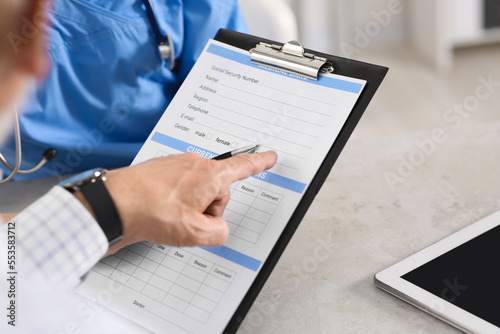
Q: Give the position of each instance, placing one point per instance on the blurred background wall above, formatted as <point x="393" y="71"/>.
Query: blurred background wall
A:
<point x="439" y="52"/>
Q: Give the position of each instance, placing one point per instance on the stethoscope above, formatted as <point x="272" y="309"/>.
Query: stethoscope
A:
<point x="166" y="48"/>
<point x="165" y="44"/>
<point x="48" y="155"/>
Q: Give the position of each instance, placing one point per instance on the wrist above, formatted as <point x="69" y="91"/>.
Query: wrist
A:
<point x="79" y="196"/>
<point x="90" y="189"/>
<point x="112" y="248"/>
<point x="121" y="195"/>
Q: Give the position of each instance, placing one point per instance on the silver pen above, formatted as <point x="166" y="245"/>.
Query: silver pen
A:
<point x="247" y="149"/>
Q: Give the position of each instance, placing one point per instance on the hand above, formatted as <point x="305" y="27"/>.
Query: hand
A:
<point x="178" y="200"/>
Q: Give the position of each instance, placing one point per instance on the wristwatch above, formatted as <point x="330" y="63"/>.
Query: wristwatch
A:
<point x="91" y="185"/>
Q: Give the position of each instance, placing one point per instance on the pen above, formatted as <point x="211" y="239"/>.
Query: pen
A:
<point x="247" y="149"/>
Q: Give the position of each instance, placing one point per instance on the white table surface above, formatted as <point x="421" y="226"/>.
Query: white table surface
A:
<point x="358" y="226"/>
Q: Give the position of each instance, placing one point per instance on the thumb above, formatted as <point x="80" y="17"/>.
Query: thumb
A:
<point x="212" y="231"/>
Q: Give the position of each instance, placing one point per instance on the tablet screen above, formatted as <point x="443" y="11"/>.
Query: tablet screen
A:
<point x="466" y="276"/>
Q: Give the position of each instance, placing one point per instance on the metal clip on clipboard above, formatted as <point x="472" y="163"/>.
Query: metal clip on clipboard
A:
<point x="290" y="57"/>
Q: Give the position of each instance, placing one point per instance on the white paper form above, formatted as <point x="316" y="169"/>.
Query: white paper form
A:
<point x="228" y="102"/>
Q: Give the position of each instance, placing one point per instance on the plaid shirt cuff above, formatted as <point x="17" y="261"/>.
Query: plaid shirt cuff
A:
<point x="59" y="239"/>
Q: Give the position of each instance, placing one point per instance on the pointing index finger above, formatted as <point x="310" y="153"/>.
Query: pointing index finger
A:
<point x="244" y="165"/>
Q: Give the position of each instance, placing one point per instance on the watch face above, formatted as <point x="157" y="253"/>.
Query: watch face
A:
<point x="82" y="178"/>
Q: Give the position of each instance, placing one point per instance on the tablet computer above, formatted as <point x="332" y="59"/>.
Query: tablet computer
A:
<point x="226" y="102"/>
<point x="456" y="279"/>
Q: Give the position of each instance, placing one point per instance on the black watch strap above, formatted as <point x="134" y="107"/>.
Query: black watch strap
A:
<point x="104" y="208"/>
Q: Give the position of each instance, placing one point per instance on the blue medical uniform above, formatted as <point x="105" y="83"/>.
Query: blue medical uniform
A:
<point x="107" y="85"/>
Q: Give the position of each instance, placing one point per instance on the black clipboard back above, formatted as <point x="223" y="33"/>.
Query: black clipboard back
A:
<point x="373" y="74"/>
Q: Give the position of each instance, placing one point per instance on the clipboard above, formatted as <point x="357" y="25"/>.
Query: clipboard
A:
<point x="178" y="132"/>
<point x="374" y="75"/>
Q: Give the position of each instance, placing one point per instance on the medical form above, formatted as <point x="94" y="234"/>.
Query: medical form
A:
<point x="227" y="102"/>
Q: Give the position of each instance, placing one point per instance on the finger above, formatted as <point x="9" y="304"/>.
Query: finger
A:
<point x="244" y="165"/>
<point x="212" y="231"/>
<point x="216" y="208"/>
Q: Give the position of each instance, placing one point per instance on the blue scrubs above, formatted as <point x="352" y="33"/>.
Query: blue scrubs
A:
<point x="107" y="85"/>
